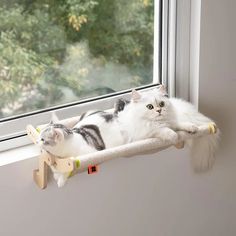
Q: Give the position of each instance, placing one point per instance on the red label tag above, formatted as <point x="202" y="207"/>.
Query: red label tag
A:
<point x="92" y="169"/>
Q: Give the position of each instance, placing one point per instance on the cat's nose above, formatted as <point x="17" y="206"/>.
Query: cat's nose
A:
<point x="159" y="110"/>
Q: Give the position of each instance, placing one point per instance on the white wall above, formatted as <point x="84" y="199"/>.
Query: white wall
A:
<point x="153" y="196"/>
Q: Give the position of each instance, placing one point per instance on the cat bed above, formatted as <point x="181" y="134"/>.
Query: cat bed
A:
<point x="90" y="161"/>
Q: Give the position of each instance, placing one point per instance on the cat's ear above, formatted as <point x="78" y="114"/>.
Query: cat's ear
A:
<point x="54" y="119"/>
<point x="136" y="96"/>
<point x="162" y="90"/>
<point x="58" y="135"/>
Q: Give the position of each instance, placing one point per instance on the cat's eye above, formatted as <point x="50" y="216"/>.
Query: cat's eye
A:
<point x="150" y="106"/>
<point x="161" y="104"/>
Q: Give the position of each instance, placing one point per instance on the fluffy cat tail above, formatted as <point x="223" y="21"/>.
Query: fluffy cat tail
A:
<point x="203" y="151"/>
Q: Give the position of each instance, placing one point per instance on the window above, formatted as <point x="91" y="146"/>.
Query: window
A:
<point x="70" y="55"/>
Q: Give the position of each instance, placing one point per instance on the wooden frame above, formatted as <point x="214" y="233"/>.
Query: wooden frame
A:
<point x="74" y="165"/>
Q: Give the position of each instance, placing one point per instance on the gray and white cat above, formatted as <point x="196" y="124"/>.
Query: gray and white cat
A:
<point x="95" y="131"/>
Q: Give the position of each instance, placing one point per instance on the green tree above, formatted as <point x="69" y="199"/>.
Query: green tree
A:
<point x="52" y="52"/>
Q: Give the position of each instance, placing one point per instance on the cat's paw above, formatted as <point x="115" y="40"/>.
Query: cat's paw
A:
<point x="56" y="176"/>
<point x="168" y="135"/>
<point x="61" y="181"/>
<point x="174" y="137"/>
<point x="191" y="128"/>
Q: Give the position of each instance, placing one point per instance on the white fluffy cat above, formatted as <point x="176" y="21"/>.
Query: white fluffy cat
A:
<point x="153" y="114"/>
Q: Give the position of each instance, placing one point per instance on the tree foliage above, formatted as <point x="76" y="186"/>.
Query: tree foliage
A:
<point x="52" y="52"/>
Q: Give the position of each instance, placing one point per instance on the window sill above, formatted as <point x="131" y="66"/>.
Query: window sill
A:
<point x="19" y="154"/>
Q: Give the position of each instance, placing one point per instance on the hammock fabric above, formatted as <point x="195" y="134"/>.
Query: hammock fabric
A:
<point x="82" y="163"/>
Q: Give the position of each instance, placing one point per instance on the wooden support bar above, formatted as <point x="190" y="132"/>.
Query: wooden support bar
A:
<point x="32" y="133"/>
<point x="64" y="165"/>
<point x="41" y="175"/>
<point x="46" y="159"/>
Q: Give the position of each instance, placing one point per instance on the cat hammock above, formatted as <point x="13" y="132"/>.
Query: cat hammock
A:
<point x="89" y="162"/>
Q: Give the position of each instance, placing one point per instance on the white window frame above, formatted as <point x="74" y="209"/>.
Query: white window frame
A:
<point x="175" y="71"/>
<point x="181" y="47"/>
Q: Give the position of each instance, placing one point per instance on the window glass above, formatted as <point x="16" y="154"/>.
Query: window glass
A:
<point x="56" y="52"/>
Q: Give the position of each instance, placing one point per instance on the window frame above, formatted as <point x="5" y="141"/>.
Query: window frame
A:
<point x="187" y="52"/>
<point x="171" y="67"/>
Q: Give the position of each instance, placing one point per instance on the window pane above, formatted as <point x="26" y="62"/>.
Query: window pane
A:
<point x="56" y="52"/>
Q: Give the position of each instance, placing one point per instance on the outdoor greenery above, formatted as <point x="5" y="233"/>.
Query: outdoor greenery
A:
<point x="54" y="52"/>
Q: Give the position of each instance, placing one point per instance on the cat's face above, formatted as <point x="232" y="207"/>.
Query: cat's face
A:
<point x="152" y="105"/>
<point x="53" y="134"/>
<point x="50" y="136"/>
